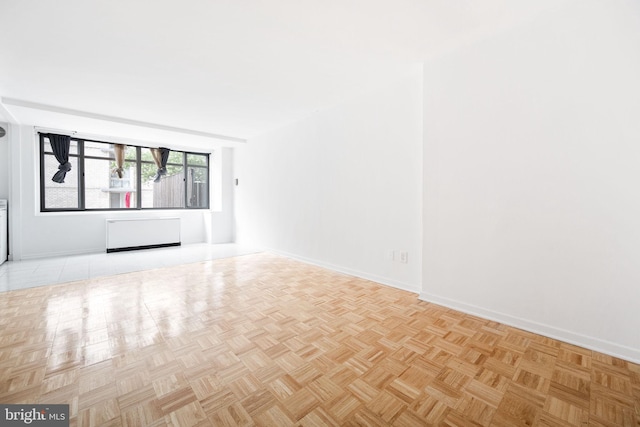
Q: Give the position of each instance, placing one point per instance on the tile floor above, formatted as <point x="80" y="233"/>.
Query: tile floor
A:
<point x="48" y="271"/>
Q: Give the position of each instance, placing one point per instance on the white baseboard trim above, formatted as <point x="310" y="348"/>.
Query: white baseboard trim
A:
<point x="351" y="272"/>
<point x="591" y="343"/>
<point x="99" y="250"/>
<point x="60" y="254"/>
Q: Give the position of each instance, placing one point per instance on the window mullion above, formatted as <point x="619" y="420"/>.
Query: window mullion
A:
<point x="184" y="179"/>
<point x="208" y="191"/>
<point x="81" y="183"/>
<point x="139" y="177"/>
<point x="42" y="190"/>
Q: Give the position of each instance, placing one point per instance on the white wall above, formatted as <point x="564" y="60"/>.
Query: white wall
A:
<point x="340" y="188"/>
<point x="222" y="226"/>
<point x="4" y="163"/>
<point x="532" y="177"/>
<point x="36" y="234"/>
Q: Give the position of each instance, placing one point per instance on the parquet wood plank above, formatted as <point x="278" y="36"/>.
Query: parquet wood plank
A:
<point x="265" y="340"/>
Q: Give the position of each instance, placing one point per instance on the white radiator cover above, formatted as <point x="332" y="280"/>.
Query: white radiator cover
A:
<point x="130" y="234"/>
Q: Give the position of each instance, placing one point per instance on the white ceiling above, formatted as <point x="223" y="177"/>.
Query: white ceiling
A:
<point x="236" y="67"/>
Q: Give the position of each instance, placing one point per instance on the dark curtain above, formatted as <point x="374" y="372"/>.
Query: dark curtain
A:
<point x="164" y="157"/>
<point x="160" y="156"/>
<point x="60" y="145"/>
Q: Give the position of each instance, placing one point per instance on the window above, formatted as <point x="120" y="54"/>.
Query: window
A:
<point x="64" y="195"/>
<point x="103" y="188"/>
<point x="168" y="192"/>
<point x="96" y="183"/>
<point x="197" y="180"/>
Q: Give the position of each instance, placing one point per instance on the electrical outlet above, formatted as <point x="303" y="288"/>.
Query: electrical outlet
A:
<point x="390" y="255"/>
<point x="404" y="257"/>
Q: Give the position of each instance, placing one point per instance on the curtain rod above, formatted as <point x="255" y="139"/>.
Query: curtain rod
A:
<point x="114" y="140"/>
<point x="39" y="129"/>
<point x="99" y="138"/>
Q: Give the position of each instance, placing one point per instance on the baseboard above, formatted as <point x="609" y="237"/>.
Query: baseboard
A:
<point x="591" y="343"/>
<point x="60" y="254"/>
<point x="351" y="272"/>
<point x="92" y="251"/>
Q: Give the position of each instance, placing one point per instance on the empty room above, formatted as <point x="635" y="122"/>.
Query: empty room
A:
<point x="305" y="213"/>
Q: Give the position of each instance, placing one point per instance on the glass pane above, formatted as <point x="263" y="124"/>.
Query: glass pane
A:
<point x="146" y="156"/>
<point x="60" y="196"/>
<point x="98" y="149"/>
<point x="197" y="159"/>
<point x="197" y="187"/>
<point x="104" y="189"/>
<point x="130" y="153"/>
<point x="175" y="157"/>
<point x="165" y="190"/>
<point x="129" y="183"/>
<point x="73" y="146"/>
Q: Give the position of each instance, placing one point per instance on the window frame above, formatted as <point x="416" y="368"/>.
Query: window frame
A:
<point x="138" y="178"/>
<point x="185" y="167"/>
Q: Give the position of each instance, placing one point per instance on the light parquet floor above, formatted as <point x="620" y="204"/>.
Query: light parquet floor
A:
<point x="268" y="341"/>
